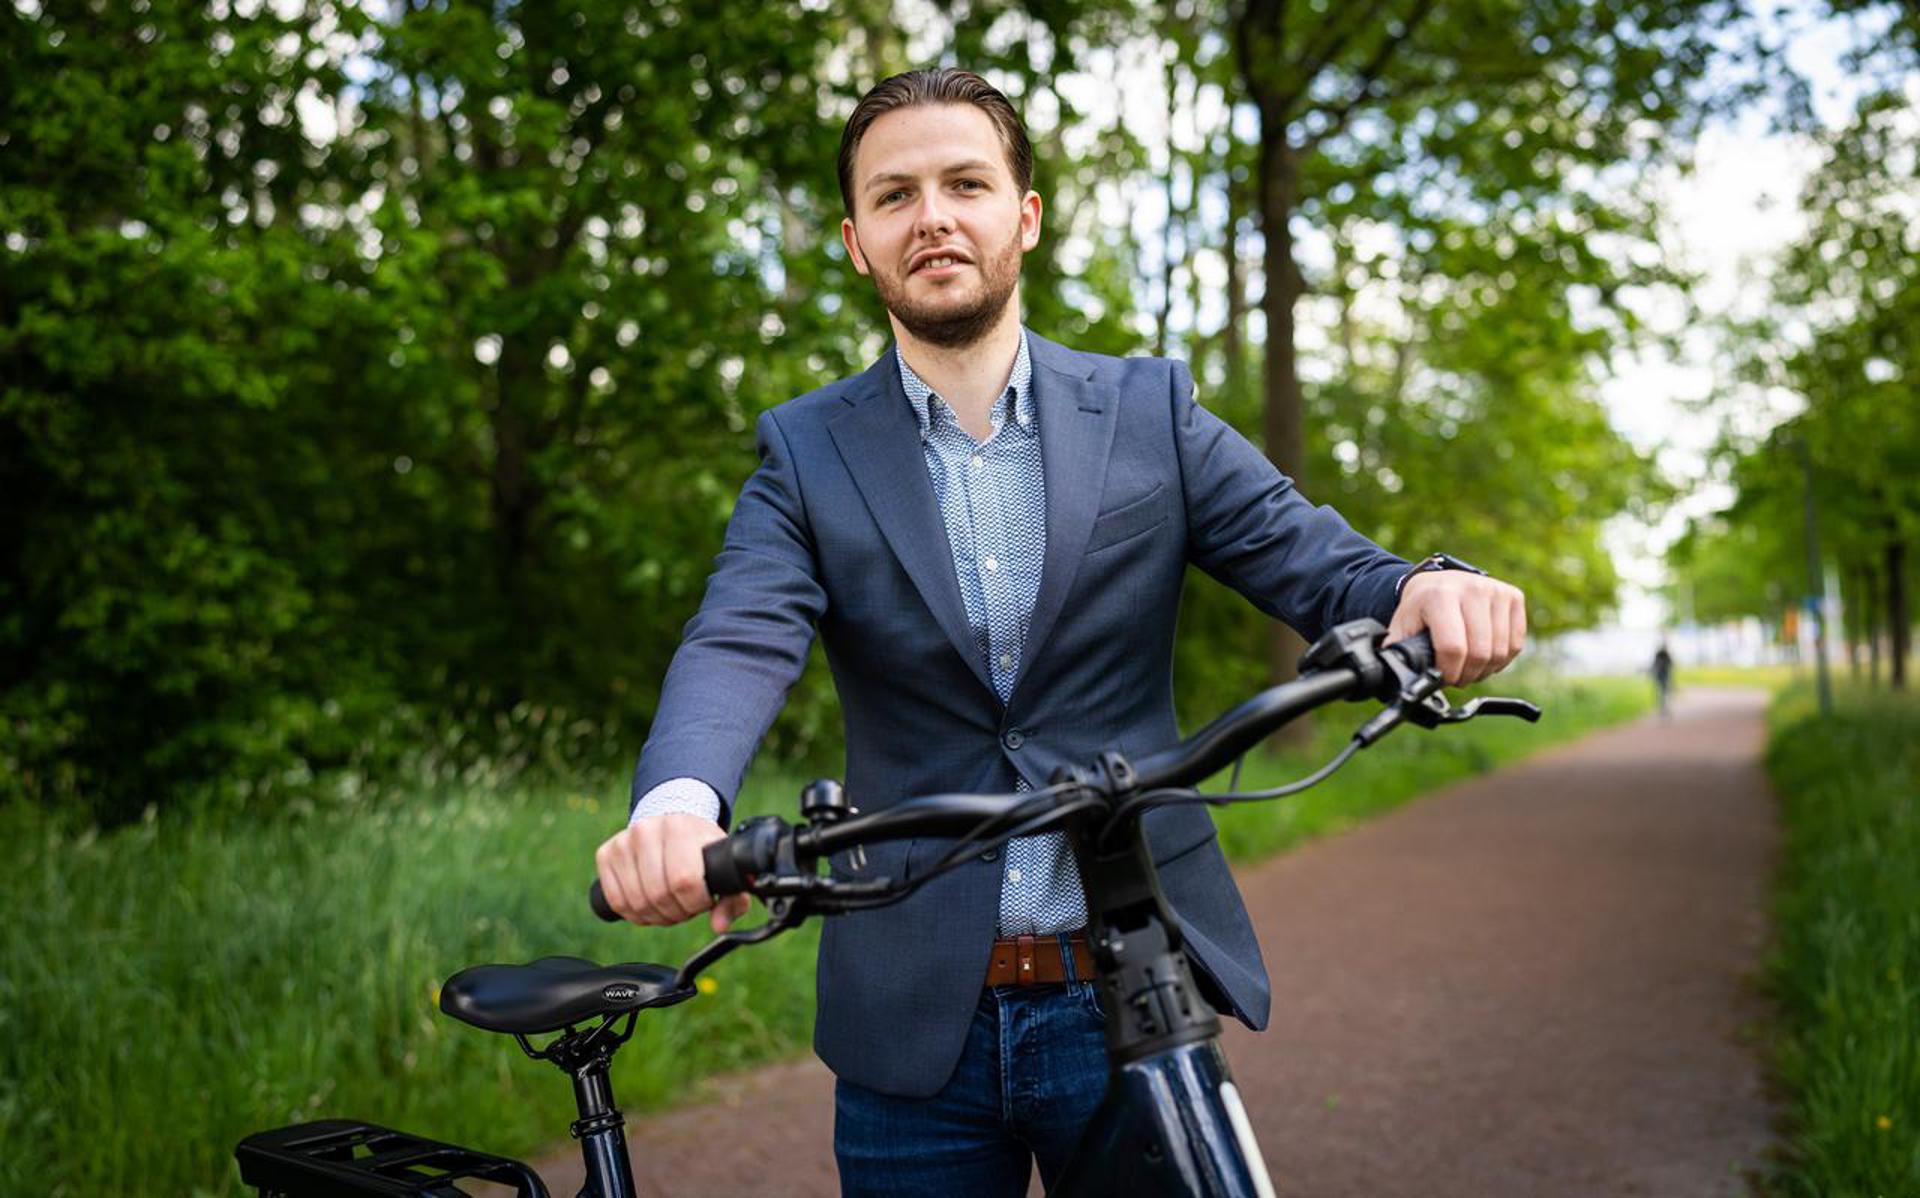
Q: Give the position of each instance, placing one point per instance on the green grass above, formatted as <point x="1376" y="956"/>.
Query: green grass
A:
<point x="1770" y="678"/>
<point x="1846" y="970"/>
<point x="170" y="986"/>
<point x="167" y="988"/>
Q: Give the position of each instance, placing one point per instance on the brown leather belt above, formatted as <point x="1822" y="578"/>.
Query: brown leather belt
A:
<point x="1036" y="960"/>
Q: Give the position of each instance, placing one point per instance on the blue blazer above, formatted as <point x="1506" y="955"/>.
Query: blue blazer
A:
<point x="838" y="530"/>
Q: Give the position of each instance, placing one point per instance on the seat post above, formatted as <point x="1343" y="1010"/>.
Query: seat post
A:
<point x="600" y="1130"/>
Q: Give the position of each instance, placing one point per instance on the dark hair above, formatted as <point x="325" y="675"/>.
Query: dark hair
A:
<point x="944" y="86"/>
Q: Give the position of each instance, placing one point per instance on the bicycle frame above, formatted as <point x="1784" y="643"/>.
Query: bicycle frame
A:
<point x="1171" y="1124"/>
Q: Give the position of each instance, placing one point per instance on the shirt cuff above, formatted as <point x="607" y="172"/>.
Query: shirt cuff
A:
<point x="1400" y="584"/>
<point x="679" y="796"/>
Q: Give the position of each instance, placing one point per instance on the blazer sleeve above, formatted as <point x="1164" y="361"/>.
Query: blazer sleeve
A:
<point x="1250" y="528"/>
<point x="746" y="646"/>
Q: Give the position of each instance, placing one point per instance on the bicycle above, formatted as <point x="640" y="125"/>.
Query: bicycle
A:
<point x="1172" y="1124"/>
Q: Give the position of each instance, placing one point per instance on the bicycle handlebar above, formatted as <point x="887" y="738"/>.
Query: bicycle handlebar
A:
<point x="1349" y="662"/>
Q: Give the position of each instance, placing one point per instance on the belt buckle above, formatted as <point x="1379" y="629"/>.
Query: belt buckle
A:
<point x="1023" y="954"/>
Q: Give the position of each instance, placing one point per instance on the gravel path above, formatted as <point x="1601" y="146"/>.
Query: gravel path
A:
<point x="1537" y="983"/>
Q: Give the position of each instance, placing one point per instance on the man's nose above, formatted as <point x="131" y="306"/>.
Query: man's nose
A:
<point x="930" y="218"/>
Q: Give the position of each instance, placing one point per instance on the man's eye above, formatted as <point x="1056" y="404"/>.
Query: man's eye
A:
<point x="891" y="196"/>
<point x="975" y="183"/>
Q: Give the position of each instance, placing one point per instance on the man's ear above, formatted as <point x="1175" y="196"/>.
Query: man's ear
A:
<point x="851" y="240"/>
<point x="1029" y="220"/>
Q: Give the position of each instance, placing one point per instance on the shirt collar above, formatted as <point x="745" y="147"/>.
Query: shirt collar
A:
<point x="1018" y="395"/>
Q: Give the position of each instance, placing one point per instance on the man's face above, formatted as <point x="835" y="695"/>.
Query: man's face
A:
<point x="937" y="224"/>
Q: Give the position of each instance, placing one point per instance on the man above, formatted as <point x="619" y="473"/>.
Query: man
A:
<point x="989" y="531"/>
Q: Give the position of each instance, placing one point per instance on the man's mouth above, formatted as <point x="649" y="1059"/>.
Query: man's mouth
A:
<point x="939" y="265"/>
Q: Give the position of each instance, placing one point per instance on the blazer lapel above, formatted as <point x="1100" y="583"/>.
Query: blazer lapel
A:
<point x="1077" y="419"/>
<point x="879" y="441"/>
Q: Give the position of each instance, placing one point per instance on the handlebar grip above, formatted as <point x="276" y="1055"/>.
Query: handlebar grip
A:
<point x="597" y="899"/>
<point x="724" y="876"/>
<point x="1416" y="651"/>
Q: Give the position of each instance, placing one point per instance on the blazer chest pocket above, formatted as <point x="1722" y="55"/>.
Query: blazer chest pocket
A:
<point x="1129" y="520"/>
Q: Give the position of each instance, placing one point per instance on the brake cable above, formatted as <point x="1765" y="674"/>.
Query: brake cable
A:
<point x="958" y="855"/>
<point x="1179" y="796"/>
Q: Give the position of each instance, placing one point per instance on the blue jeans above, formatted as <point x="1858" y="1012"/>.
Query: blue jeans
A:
<point x="1030" y="1078"/>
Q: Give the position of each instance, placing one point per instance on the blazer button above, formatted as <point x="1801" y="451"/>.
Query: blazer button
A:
<point x="1013" y="738"/>
<point x="990" y="855"/>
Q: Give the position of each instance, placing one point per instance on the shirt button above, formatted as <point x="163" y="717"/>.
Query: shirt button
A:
<point x="1006" y="661"/>
<point x="1013" y="738"/>
<point x="974" y="461"/>
<point x="992" y="564"/>
<point x="1013" y="875"/>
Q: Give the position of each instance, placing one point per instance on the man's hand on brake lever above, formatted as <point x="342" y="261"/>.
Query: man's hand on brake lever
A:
<point x="1478" y="624"/>
<point x="652" y="872"/>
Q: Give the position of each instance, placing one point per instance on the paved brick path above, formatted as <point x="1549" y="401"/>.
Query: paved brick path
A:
<point x="1537" y="983"/>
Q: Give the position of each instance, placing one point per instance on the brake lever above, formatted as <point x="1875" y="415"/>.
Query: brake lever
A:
<point x="795" y="897"/>
<point x="1433" y="710"/>
<point x="784" y="915"/>
<point x="1422" y="704"/>
<point x="1494" y="705"/>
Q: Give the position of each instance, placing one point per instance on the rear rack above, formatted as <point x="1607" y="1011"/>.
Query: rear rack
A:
<point x="334" y="1157"/>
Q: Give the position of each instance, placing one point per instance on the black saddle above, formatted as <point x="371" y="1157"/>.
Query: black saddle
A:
<point x="556" y="992"/>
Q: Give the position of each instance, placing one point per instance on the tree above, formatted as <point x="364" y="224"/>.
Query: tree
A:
<point x="1851" y="290"/>
<point x="372" y="373"/>
<point x="1428" y="129"/>
<point x="155" y="313"/>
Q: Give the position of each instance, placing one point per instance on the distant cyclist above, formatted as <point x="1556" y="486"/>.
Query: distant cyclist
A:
<point x="1663" y="677"/>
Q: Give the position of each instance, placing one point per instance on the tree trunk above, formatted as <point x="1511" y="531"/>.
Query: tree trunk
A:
<point x="1870" y="619"/>
<point x="1233" y="336"/>
<point x="796" y="241"/>
<point x="516" y="501"/>
<point x="1850" y="604"/>
<point x="1283" y="422"/>
<point x="1166" y="230"/>
<point x="1344" y="297"/>
<point x="1899" y="624"/>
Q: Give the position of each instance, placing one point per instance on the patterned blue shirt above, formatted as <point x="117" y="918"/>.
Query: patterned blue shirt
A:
<point x="993" y="501"/>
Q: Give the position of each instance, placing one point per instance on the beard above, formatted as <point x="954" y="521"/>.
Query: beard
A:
<point x="950" y="323"/>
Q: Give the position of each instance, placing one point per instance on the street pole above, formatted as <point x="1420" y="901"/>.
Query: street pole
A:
<point x="1816" y="579"/>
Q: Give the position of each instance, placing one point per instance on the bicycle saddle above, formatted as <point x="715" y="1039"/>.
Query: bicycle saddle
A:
<point x="555" y="992"/>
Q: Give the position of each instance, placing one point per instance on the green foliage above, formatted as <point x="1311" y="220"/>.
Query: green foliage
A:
<point x="368" y="376"/>
<point x="1847" y="968"/>
<point x="234" y="976"/>
<point x="1844" y="339"/>
<point x="157" y="629"/>
<point x="1475" y="172"/>
<point x="1731" y="568"/>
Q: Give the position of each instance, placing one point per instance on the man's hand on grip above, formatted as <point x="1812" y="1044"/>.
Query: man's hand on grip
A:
<point x="652" y="872"/>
